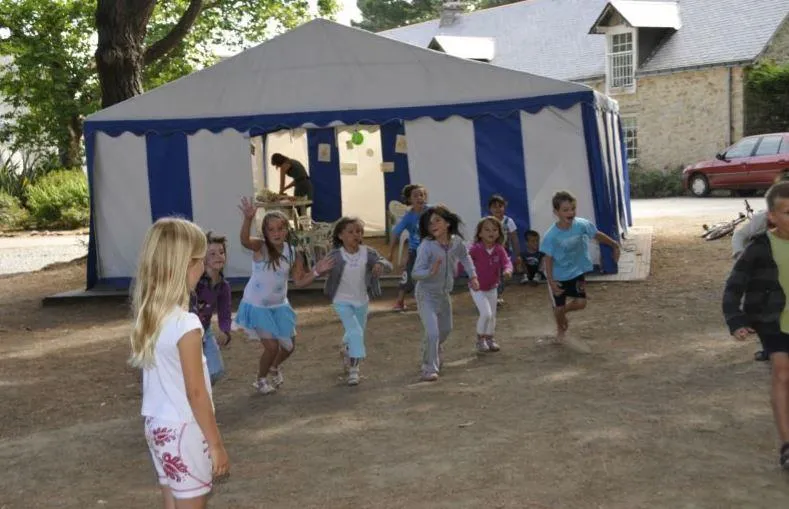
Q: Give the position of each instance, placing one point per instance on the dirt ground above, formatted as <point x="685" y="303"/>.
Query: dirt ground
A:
<point x="666" y="411"/>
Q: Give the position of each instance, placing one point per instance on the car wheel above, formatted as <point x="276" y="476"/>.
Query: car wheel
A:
<point x="699" y="185"/>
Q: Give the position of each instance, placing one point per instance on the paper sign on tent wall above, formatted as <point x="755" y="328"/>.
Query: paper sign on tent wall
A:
<point x="401" y="147"/>
<point x="324" y="153"/>
<point x="348" y="169"/>
<point x="387" y="167"/>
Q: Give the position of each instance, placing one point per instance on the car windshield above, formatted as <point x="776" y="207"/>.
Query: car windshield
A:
<point x="742" y="148"/>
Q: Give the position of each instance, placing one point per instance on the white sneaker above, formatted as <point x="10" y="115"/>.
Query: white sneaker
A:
<point x="353" y="376"/>
<point x="525" y="280"/>
<point x="263" y="387"/>
<point x="492" y="345"/>
<point x="482" y="346"/>
<point x="276" y="378"/>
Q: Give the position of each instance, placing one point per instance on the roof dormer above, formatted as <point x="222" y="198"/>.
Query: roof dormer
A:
<point x="634" y="30"/>
<point x="482" y="49"/>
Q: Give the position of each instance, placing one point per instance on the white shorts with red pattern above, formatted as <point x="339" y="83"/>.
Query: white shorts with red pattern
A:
<point x="180" y="456"/>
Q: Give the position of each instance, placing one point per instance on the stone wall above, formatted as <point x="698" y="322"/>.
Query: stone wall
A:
<point x="682" y="117"/>
<point x="778" y="49"/>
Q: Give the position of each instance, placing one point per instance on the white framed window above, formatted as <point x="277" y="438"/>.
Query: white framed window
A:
<point x="621" y="67"/>
<point x="630" y="131"/>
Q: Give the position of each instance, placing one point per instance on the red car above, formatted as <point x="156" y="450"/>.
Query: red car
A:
<point x="750" y="164"/>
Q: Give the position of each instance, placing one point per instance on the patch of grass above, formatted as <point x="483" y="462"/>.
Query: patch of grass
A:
<point x="59" y="200"/>
<point x="12" y="215"/>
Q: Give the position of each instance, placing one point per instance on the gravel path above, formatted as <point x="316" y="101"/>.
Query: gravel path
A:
<point x="29" y="253"/>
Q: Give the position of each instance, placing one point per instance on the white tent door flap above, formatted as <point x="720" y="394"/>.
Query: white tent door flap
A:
<point x="215" y="190"/>
<point x="441" y="157"/>
<point x="361" y="179"/>
<point x="555" y="154"/>
<point x="121" y="203"/>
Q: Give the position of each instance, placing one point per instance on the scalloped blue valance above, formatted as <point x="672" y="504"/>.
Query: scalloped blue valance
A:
<point x="257" y="124"/>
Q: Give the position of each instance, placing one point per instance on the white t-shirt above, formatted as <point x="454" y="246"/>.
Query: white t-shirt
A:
<point x="508" y="225"/>
<point x="268" y="287"/>
<point x="163" y="386"/>
<point x="352" y="288"/>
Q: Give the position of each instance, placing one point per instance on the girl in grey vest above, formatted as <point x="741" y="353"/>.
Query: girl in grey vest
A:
<point x="351" y="282"/>
<point x="434" y="272"/>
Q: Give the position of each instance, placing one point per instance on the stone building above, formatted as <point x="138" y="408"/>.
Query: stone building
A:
<point x="677" y="68"/>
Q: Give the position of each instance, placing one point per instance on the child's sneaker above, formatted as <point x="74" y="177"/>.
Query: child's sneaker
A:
<point x="500" y="301"/>
<point x="482" y="346"/>
<point x="276" y="377"/>
<point x="525" y="280"/>
<point x="399" y="307"/>
<point x="428" y="376"/>
<point x="353" y="376"/>
<point x="492" y="345"/>
<point x="263" y="387"/>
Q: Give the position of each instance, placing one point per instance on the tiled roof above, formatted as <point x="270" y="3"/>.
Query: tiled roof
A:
<point x="550" y="37"/>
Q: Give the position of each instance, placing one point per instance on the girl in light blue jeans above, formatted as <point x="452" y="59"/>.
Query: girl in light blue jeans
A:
<point x="351" y="281"/>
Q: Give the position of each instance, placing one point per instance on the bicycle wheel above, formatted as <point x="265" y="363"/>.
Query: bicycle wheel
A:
<point x="720" y="231"/>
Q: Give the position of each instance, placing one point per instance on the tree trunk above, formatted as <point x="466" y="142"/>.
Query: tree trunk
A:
<point x="122" y="26"/>
<point x="70" y="151"/>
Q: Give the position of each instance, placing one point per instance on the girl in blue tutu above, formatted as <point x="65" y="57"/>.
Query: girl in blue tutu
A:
<point x="265" y="313"/>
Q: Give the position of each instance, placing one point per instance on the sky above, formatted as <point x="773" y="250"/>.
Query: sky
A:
<point x="349" y="11"/>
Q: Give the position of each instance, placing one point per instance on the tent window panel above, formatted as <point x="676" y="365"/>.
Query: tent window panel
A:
<point x="630" y="129"/>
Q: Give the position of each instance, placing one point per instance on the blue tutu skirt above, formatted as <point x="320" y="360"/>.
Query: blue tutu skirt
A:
<point x="278" y="321"/>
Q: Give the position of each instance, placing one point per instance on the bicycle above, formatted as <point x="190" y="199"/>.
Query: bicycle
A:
<point x="720" y="230"/>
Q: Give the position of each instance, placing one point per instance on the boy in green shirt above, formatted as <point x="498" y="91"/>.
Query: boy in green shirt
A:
<point x="754" y="301"/>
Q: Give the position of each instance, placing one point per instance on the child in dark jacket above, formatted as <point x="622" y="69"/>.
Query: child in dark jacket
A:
<point x="212" y="295"/>
<point x="532" y="259"/>
<point x="754" y="301"/>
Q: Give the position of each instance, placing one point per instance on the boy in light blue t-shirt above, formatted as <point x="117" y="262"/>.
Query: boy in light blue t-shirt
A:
<point x="567" y="260"/>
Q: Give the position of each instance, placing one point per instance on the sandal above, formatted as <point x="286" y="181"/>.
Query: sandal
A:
<point x="784" y="456"/>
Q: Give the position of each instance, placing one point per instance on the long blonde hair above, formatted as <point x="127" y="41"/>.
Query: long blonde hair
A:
<point x="170" y="247"/>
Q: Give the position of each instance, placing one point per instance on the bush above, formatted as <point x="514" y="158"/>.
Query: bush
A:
<point x="655" y="184"/>
<point x="766" y="98"/>
<point x="12" y="215"/>
<point x="59" y="200"/>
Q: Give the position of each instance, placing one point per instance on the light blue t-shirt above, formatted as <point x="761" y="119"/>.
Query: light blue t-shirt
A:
<point x="410" y="223"/>
<point x="569" y="249"/>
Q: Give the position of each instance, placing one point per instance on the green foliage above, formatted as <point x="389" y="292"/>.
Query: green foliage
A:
<point x="18" y="170"/>
<point x="655" y="183"/>
<point x="767" y="98"/>
<point x="12" y="215"/>
<point x="48" y="73"/>
<point x="379" y="15"/>
<point x="59" y="200"/>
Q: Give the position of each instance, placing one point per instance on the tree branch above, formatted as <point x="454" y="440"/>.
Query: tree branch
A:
<point x="170" y="41"/>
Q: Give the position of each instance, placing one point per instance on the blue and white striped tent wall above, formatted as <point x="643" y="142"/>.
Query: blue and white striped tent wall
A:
<point x="472" y="130"/>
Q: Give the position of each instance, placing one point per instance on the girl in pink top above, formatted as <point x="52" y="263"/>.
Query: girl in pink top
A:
<point x="490" y="260"/>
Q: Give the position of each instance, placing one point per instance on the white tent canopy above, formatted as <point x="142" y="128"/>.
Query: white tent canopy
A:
<point x="471" y="129"/>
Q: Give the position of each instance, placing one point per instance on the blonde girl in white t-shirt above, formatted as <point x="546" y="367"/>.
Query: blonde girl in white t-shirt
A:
<point x="167" y="344"/>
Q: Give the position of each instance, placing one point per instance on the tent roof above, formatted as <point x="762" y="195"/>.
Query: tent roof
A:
<point x="325" y="66"/>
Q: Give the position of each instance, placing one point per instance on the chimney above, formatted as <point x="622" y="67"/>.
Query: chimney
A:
<point x="450" y="12"/>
